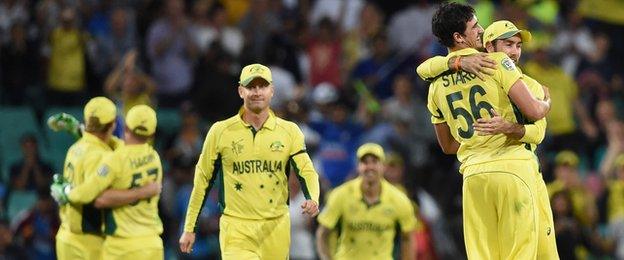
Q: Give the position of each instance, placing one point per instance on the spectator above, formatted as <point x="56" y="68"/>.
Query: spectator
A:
<point x="325" y="54"/>
<point x="67" y="68"/>
<point x="128" y="86"/>
<point x="210" y="25"/>
<point x="171" y="50"/>
<point x="37" y="228"/>
<point x="409" y="31"/>
<point x="212" y="88"/>
<point x="30" y="173"/>
<point x="11" y="12"/>
<point x="257" y="26"/>
<point x="8" y="246"/>
<point x="568" y="179"/>
<point x="18" y="60"/>
<point x="566" y="106"/>
<point x="378" y="70"/>
<point x="115" y="43"/>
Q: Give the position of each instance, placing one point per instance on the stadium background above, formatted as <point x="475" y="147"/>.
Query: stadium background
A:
<point x="343" y="70"/>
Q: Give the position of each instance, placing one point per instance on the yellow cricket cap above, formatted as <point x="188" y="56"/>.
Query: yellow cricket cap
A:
<point x="141" y="120"/>
<point x="567" y="158"/>
<point x="101" y="108"/>
<point x="373" y="149"/>
<point x="504" y="29"/>
<point x="250" y="72"/>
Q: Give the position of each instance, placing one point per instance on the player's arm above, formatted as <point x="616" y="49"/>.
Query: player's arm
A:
<point x="202" y="183"/>
<point x="407" y="246"/>
<point x="96" y="182"/>
<point x="119" y="197"/>
<point x="527" y="133"/>
<point x="306" y="174"/>
<point x="322" y="242"/>
<point x="531" y="107"/>
<point x="510" y="79"/>
<point x="479" y="64"/>
<point x="407" y="222"/>
<point x="328" y="219"/>
<point x="446" y="141"/>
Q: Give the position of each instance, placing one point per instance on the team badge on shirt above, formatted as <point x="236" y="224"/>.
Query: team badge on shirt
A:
<point x="276" y="146"/>
<point x="103" y="171"/>
<point x="508" y="64"/>
<point x="237" y="147"/>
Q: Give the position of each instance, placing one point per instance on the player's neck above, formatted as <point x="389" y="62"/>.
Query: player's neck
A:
<point x="255" y="119"/>
<point x="371" y="190"/>
<point x="457" y="47"/>
<point x="105" y="137"/>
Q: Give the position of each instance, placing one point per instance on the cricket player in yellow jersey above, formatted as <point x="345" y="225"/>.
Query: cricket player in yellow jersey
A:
<point x="80" y="235"/>
<point x="504" y="36"/>
<point x="132" y="230"/>
<point x="499" y="204"/>
<point x="367" y="212"/>
<point x="251" y="155"/>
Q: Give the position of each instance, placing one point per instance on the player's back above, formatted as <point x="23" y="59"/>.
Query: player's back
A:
<point x="134" y="166"/>
<point x="460" y="98"/>
<point x="82" y="160"/>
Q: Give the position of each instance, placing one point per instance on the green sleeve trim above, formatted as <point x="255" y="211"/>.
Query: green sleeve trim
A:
<point x="302" y="181"/>
<point x="91" y="219"/>
<point x="217" y="170"/>
<point x="110" y="223"/>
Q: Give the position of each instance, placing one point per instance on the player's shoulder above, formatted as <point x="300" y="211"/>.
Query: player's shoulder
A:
<point x="222" y="125"/>
<point x="288" y="125"/>
<point x="497" y="56"/>
<point x="347" y="188"/>
<point x="398" y="196"/>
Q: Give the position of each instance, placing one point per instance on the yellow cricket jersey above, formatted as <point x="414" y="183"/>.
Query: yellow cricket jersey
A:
<point x="81" y="162"/>
<point x="534" y="131"/>
<point x="127" y="167"/>
<point x="460" y="98"/>
<point x="563" y="92"/>
<point x="252" y="168"/>
<point x="615" y="202"/>
<point x="367" y="231"/>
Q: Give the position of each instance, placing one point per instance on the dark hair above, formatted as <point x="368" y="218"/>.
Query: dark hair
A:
<point x="449" y="19"/>
<point x="93" y="125"/>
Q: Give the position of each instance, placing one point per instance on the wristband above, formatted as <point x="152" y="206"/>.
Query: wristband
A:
<point x="457" y="64"/>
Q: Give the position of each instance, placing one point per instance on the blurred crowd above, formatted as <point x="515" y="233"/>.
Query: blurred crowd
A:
<point x="344" y="71"/>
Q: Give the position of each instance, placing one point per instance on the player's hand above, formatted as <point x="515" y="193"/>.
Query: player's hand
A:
<point x="310" y="208"/>
<point x="64" y="122"/>
<point x="150" y="190"/>
<point x="492" y="126"/>
<point x="479" y="64"/>
<point x="546" y="93"/>
<point x="59" y="189"/>
<point x="186" y="242"/>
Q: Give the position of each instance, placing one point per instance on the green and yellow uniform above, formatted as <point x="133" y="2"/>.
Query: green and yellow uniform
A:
<point x="367" y="231"/>
<point x="80" y="234"/>
<point x="499" y="190"/>
<point x="252" y="169"/>
<point x="134" y="229"/>
<point x="533" y="135"/>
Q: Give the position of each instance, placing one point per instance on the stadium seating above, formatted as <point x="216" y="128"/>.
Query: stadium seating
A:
<point x="16" y="121"/>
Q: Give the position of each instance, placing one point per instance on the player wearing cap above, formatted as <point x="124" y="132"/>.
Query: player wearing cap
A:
<point x="367" y="212"/>
<point x="504" y="36"/>
<point x="132" y="230"/>
<point x="251" y="155"/>
<point x="496" y="224"/>
<point x="80" y="234"/>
